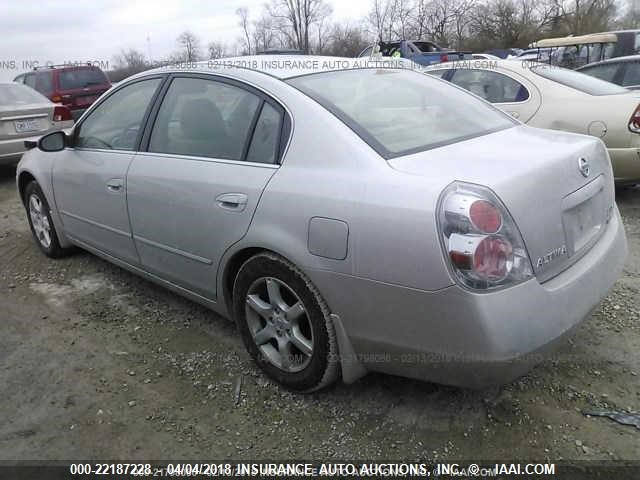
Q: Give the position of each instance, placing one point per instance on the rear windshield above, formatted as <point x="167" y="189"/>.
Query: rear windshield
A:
<point x="398" y="112"/>
<point x="15" y="94"/>
<point x="86" y="77"/>
<point x="579" y="81"/>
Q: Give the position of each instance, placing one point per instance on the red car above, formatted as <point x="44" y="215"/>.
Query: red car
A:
<point x="75" y="87"/>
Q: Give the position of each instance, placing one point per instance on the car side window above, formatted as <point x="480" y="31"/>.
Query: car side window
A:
<point x="631" y="74"/>
<point x="492" y="86"/>
<point x="115" y="123"/>
<point x="437" y="73"/>
<point x="206" y="118"/>
<point x="30" y="80"/>
<point x="265" y="140"/>
<point x="44" y="83"/>
<point x="606" y="71"/>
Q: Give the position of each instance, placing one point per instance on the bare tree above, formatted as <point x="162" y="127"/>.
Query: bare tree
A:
<point x="346" y="40"/>
<point x="294" y="19"/>
<point x="216" y="50"/>
<point x="131" y="59"/>
<point x="189" y="46"/>
<point x="243" y="15"/>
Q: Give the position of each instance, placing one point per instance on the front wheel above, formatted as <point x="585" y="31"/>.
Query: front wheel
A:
<point x="285" y="323"/>
<point x="40" y="221"/>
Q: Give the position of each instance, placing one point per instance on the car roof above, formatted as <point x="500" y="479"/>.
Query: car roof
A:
<point x="287" y="66"/>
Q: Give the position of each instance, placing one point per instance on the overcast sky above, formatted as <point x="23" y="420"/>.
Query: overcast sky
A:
<point x="94" y="30"/>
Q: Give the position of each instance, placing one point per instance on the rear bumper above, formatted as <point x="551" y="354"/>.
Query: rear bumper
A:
<point x="626" y="164"/>
<point x="11" y="150"/>
<point x="453" y="336"/>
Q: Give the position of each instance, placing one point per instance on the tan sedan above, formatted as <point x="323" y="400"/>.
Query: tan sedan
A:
<point x="26" y="115"/>
<point x="547" y="96"/>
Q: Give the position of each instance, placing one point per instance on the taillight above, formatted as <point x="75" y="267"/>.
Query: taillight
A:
<point x="444" y="58"/>
<point x="56" y="99"/>
<point x="634" y="121"/>
<point x="61" y="114"/>
<point x="482" y="243"/>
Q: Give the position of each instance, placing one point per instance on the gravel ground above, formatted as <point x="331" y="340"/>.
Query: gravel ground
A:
<point x="96" y="363"/>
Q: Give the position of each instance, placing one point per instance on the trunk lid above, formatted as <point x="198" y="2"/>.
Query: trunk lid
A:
<point x="559" y="207"/>
<point x="25" y="120"/>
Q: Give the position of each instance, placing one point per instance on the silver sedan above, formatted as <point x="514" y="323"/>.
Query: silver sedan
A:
<point x="26" y="115"/>
<point x="348" y="216"/>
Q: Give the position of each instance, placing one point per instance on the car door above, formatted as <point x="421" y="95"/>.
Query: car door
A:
<point x="513" y="94"/>
<point x="213" y="147"/>
<point x="89" y="178"/>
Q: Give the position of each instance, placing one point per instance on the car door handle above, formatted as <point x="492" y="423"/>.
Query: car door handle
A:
<point x="115" y="185"/>
<point x="232" y="201"/>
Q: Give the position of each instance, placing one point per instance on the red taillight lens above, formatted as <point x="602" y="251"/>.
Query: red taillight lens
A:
<point x="56" y="98"/>
<point x="493" y="258"/>
<point x="61" y="114"/>
<point x="485" y="216"/>
<point x="634" y="121"/>
<point x="480" y="238"/>
<point x="444" y="58"/>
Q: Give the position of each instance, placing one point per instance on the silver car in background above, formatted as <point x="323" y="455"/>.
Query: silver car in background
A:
<point x="26" y="115"/>
<point x="349" y="216"/>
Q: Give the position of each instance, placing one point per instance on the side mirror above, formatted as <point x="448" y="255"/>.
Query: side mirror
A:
<point x="53" y="142"/>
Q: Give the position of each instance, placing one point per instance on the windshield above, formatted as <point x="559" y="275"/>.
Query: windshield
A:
<point x="578" y="81"/>
<point x="398" y="112"/>
<point x="86" y="77"/>
<point x="12" y="94"/>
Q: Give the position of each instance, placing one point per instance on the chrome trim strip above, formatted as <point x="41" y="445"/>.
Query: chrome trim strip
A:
<point x="175" y="251"/>
<point x="22" y="117"/>
<point x="209" y="159"/>
<point x="96" y="224"/>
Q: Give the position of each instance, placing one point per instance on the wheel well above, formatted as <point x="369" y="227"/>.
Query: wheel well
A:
<point x="23" y="181"/>
<point x="231" y="270"/>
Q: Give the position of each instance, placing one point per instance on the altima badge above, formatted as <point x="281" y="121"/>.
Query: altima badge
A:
<point x="553" y="254"/>
<point x="583" y="166"/>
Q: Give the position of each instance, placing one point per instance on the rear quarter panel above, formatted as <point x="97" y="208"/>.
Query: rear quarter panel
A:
<point x="328" y="171"/>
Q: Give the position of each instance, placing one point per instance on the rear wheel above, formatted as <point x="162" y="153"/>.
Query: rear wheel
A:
<point x="42" y="228"/>
<point x="285" y="323"/>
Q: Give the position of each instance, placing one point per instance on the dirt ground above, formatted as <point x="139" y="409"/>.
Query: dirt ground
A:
<point x="96" y="363"/>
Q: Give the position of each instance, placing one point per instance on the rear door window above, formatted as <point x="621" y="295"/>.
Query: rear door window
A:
<point x="30" y="80"/>
<point x="44" y="83"/>
<point x="494" y="87"/>
<point x="606" y="71"/>
<point x="631" y="74"/>
<point x="81" y="78"/>
<point x="209" y="118"/>
<point x="578" y="81"/>
<point x="265" y="140"/>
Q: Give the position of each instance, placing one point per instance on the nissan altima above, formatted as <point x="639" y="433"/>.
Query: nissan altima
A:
<point x="348" y="216"/>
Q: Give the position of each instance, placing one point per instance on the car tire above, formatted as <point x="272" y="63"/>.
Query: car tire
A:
<point x="285" y="323"/>
<point x="40" y="222"/>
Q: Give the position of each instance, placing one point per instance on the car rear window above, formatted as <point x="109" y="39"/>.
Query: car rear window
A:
<point x="86" y="77"/>
<point x="398" y="112"/>
<point x="578" y="81"/>
<point x="17" y="94"/>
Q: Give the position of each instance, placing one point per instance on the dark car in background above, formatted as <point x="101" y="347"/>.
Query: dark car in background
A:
<point x="419" y="51"/>
<point x="623" y="71"/>
<point x="74" y="86"/>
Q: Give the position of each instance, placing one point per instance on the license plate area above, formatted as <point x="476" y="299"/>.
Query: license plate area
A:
<point x="584" y="215"/>
<point x="26" y="125"/>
